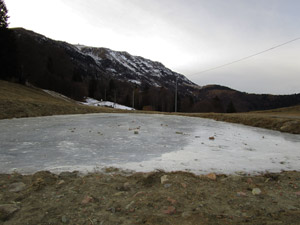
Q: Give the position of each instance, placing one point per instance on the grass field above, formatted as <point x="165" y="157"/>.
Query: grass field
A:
<point x="21" y="101"/>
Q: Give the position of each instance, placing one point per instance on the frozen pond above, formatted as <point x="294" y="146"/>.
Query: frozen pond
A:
<point x="142" y="143"/>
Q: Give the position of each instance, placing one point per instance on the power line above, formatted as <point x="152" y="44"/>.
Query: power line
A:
<point x="247" y="57"/>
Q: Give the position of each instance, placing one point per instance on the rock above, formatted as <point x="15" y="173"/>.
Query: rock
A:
<point x="64" y="219"/>
<point x="287" y="126"/>
<point x="112" y="210"/>
<point x="211" y="138"/>
<point x="119" y="193"/>
<point x="235" y="178"/>
<point x="183" y="185"/>
<point x="186" y="214"/>
<point x="87" y="199"/>
<point x="167" y="185"/>
<point x="6" y="210"/>
<point x="164" y="179"/>
<point x="129" y="205"/>
<point x="60" y="182"/>
<point x="211" y="176"/>
<point x="132" y="210"/>
<point x="241" y="194"/>
<point x="124" y="187"/>
<point x="17" y="187"/>
<point x="256" y="191"/>
<point x="170" y="211"/>
<point x="149" y="179"/>
<point x="290" y="207"/>
<point x="172" y="201"/>
<point x="249" y="181"/>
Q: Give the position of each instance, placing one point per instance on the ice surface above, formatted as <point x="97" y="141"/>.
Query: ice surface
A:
<point x="142" y="143"/>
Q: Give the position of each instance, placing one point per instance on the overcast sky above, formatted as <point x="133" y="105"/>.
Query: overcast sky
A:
<point x="187" y="36"/>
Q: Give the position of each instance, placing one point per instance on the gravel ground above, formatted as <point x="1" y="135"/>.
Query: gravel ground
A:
<point x="114" y="197"/>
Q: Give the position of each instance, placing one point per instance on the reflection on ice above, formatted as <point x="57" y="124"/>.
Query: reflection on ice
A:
<point x="143" y="143"/>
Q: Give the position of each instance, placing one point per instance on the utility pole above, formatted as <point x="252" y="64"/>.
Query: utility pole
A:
<point x="105" y="94"/>
<point x="176" y="94"/>
<point x="133" y="99"/>
<point x="115" y="98"/>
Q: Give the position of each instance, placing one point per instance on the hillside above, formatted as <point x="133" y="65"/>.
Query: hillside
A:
<point x="97" y="72"/>
<point x="138" y="70"/>
<point x="20" y="101"/>
<point x="218" y="98"/>
<point x="79" y="71"/>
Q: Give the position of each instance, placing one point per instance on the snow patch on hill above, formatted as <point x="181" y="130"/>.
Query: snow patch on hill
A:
<point x="94" y="102"/>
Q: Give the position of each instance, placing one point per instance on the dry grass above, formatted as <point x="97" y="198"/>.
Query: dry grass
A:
<point x="20" y="101"/>
<point x="284" y="121"/>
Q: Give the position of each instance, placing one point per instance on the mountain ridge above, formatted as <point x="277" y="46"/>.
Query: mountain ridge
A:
<point x="79" y="71"/>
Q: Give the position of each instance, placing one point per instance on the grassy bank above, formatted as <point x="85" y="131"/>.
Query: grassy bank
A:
<point x="20" y="101"/>
<point x="284" y="120"/>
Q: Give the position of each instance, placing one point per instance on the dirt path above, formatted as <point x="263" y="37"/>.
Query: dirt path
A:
<point x="152" y="198"/>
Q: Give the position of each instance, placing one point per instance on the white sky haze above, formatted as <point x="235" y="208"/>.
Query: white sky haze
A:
<point x="187" y="36"/>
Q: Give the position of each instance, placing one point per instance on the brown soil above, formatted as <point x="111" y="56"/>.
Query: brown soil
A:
<point x="151" y="198"/>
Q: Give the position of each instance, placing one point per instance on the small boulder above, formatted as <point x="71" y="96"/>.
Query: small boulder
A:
<point x="172" y="201"/>
<point x="60" y="182"/>
<point x="17" y="187"/>
<point x="241" y="194"/>
<point x="87" y="199"/>
<point x="64" y="219"/>
<point x="170" y="211"/>
<point x="211" y="176"/>
<point x="6" y="210"/>
<point x="183" y="185"/>
<point x="256" y="191"/>
<point x="164" y="179"/>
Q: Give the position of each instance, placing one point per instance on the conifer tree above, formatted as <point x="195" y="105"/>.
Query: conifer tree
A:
<point x="8" y="52"/>
<point x="3" y="15"/>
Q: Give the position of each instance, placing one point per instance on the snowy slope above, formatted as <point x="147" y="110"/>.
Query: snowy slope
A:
<point x="136" y="69"/>
<point x="94" y="102"/>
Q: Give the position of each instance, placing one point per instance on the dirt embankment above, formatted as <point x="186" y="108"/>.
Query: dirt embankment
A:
<point x="152" y="198"/>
